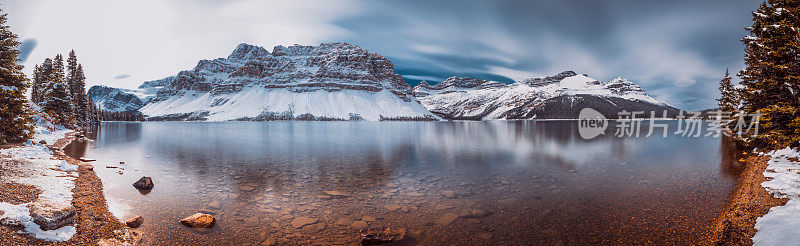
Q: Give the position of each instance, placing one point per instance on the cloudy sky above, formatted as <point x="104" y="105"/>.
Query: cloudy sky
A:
<point x="677" y="50"/>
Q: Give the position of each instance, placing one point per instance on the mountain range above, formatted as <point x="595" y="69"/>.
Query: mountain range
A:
<point x="340" y="81"/>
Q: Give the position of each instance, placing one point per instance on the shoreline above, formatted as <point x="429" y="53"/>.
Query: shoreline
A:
<point x="735" y="224"/>
<point x="95" y="225"/>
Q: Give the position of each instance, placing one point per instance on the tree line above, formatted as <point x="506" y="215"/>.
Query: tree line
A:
<point x="770" y="82"/>
<point x="106" y="115"/>
<point x="57" y="90"/>
<point x="61" y="92"/>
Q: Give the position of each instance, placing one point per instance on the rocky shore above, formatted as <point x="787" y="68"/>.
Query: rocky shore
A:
<point x="89" y="214"/>
<point x="749" y="201"/>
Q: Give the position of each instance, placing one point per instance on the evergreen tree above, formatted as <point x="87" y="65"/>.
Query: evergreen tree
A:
<point x="72" y="65"/>
<point x="771" y="79"/>
<point x="729" y="99"/>
<point x="36" y="88"/>
<point x="56" y="98"/>
<point x="94" y="113"/>
<point x="78" y="90"/>
<point x="15" y="120"/>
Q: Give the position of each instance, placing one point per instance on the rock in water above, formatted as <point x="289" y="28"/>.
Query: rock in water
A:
<point x="447" y="219"/>
<point x="199" y="220"/>
<point x="358" y="225"/>
<point x="335" y="194"/>
<point x="51" y="215"/>
<point x="381" y="235"/>
<point x="144" y="183"/>
<point x="135" y="222"/>
<point x="303" y="221"/>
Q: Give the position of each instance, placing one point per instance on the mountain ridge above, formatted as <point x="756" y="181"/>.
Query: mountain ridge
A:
<point x="340" y="81"/>
<point x="488" y="100"/>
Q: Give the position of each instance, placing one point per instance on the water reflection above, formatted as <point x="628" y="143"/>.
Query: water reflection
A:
<point x="530" y="182"/>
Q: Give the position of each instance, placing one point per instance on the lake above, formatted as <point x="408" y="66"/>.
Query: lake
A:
<point x="443" y="183"/>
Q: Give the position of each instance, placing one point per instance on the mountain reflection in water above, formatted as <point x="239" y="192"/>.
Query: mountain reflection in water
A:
<point x="517" y="182"/>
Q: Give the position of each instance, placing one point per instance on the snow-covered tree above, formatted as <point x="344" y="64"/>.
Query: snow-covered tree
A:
<point x="36" y="85"/>
<point x="56" y="98"/>
<point x="15" y="121"/>
<point x="729" y="96"/>
<point x="771" y="80"/>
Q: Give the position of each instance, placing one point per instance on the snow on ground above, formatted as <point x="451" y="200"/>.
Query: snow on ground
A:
<point x="253" y="101"/>
<point x="35" y="165"/>
<point x="21" y="214"/>
<point x="781" y="225"/>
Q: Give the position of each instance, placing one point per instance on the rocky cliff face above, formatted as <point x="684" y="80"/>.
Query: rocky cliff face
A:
<point x="554" y="97"/>
<point x="333" y="81"/>
<point x="114" y="99"/>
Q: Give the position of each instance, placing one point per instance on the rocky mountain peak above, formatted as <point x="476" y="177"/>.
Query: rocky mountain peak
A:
<point x="424" y="84"/>
<point x="621" y="86"/>
<point x="462" y="82"/>
<point x="549" y="80"/>
<point x="245" y="51"/>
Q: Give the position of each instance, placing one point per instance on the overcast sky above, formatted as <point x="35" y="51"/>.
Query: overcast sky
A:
<point x="677" y="50"/>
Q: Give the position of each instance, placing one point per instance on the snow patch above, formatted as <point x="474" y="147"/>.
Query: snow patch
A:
<point x="781" y="225"/>
<point x="254" y="101"/>
<point x="20" y="214"/>
<point x="34" y="165"/>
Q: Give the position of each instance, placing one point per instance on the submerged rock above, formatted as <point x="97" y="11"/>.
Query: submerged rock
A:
<point x="303" y="221"/>
<point x="335" y="194"/>
<point x="214" y="205"/>
<point x="358" y="225"/>
<point x="381" y="235"/>
<point x="135" y="222"/>
<point x="447" y="219"/>
<point x="199" y="220"/>
<point x="144" y="183"/>
<point x="51" y="215"/>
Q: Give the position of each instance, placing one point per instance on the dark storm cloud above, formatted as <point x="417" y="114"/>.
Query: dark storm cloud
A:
<point x="677" y="50"/>
<point x="122" y="76"/>
<point x="26" y="48"/>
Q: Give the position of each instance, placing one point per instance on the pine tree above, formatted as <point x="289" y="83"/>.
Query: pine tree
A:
<point x="729" y="99"/>
<point x="94" y="113"/>
<point x="78" y="90"/>
<point x="36" y="87"/>
<point x="72" y="67"/>
<point x="15" y="120"/>
<point x="771" y="79"/>
<point x="56" y="98"/>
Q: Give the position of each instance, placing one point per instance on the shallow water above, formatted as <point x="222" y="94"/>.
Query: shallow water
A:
<point x="494" y="182"/>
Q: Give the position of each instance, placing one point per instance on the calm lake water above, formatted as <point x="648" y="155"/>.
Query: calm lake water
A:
<point x="444" y="183"/>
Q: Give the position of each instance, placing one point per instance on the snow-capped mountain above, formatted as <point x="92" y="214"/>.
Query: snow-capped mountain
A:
<point x="332" y="81"/>
<point x="561" y="96"/>
<point x="115" y="99"/>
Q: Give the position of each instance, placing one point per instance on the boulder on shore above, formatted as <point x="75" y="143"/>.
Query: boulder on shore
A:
<point x="51" y="215"/>
<point x="144" y="183"/>
<point x="135" y="222"/>
<point x="199" y="220"/>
